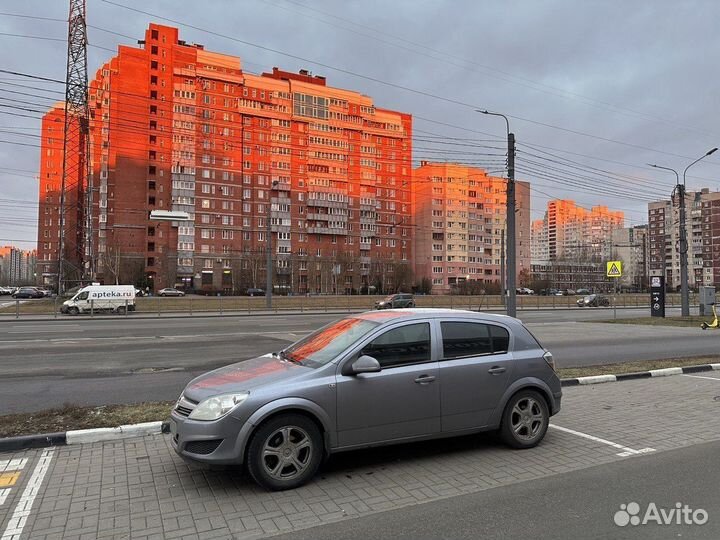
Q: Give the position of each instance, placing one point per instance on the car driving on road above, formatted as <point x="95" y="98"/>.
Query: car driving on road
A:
<point x="594" y="300"/>
<point x="370" y="379"/>
<point x="401" y="300"/>
<point x="170" y="292"/>
<point x="28" y="292"/>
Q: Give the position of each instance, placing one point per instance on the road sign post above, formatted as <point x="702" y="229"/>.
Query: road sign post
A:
<point x="614" y="271"/>
<point x="657" y="296"/>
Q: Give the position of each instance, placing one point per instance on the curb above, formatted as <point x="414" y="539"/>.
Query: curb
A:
<point x="82" y="436"/>
<point x="665" y="372"/>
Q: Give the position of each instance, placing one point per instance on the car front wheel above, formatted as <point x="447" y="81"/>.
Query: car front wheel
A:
<point x="285" y="452"/>
<point x="525" y="420"/>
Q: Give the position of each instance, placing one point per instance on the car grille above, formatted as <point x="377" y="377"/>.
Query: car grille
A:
<point x="185" y="406"/>
<point x="203" y="447"/>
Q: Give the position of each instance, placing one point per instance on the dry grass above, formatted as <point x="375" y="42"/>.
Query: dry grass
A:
<point x="633" y="367"/>
<point x="692" y="321"/>
<point x="75" y="417"/>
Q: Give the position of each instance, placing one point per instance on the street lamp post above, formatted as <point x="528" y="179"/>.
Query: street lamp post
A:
<point x="510" y="211"/>
<point x="680" y="188"/>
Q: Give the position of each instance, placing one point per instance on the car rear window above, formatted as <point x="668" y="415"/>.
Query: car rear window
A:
<point x="461" y="339"/>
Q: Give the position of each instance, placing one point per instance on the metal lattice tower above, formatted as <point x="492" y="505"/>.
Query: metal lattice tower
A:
<point x="76" y="149"/>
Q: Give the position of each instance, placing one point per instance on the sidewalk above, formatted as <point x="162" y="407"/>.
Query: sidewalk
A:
<point x="139" y="488"/>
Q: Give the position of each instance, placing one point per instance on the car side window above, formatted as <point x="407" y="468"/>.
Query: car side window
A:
<point x="465" y="339"/>
<point x="500" y="339"/>
<point x="409" y="344"/>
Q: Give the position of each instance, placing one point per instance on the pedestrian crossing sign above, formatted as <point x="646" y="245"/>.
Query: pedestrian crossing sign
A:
<point x="614" y="269"/>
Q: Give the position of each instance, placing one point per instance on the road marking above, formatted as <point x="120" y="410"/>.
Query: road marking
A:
<point x="626" y="451"/>
<point x="3" y="495"/>
<point x="701" y="377"/>
<point x="8" y="479"/>
<point x="17" y="521"/>
<point x="12" y="464"/>
<point x="44" y="331"/>
<point x="173" y="337"/>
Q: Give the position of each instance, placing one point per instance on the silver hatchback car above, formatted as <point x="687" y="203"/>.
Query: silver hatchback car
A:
<point x="372" y="379"/>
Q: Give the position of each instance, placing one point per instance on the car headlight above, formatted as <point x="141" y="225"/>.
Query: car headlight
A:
<point x="217" y="406"/>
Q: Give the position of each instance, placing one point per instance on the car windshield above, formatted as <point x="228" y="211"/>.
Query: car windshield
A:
<point x="389" y="298"/>
<point x="323" y="346"/>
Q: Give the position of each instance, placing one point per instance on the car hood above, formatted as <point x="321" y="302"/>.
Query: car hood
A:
<point x="243" y="376"/>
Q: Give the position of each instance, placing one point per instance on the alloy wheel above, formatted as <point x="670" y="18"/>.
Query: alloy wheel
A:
<point x="287" y="453"/>
<point x="527" y="419"/>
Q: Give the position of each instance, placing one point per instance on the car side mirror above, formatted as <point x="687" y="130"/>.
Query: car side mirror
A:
<point x="364" y="364"/>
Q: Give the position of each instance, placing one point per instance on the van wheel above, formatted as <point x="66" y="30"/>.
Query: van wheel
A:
<point x="120" y="310"/>
<point x="525" y="420"/>
<point x="73" y="311"/>
<point x="285" y="452"/>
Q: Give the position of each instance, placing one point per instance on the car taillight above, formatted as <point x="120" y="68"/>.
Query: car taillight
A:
<point x="548" y="357"/>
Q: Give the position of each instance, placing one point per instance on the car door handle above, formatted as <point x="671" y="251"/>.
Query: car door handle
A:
<point x="496" y="370"/>
<point x="424" y="379"/>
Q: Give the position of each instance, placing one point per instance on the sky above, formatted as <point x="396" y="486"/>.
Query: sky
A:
<point x="594" y="90"/>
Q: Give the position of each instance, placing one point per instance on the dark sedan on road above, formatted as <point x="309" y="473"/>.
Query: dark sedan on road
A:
<point x="594" y="300"/>
<point x="371" y="379"/>
<point x="401" y="300"/>
<point x="28" y="292"/>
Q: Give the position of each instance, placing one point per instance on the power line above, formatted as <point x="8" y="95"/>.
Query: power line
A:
<point x="383" y="82"/>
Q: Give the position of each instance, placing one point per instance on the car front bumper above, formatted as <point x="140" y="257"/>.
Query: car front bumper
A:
<point x="220" y="441"/>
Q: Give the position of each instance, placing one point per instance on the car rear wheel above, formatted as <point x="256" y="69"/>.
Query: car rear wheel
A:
<point x="285" y="452"/>
<point x="525" y="420"/>
<point x="411" y="304"/>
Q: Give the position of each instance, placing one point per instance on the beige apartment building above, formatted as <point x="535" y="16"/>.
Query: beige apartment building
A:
<point x="460" y="218"/>
<point x="702" y="210"/>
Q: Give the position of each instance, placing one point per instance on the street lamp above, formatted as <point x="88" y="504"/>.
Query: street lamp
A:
<point x="684" y="292"/>
<point x="510" y="217"/>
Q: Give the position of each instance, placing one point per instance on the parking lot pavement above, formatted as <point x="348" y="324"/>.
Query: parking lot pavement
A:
<point x="138" y="488"/>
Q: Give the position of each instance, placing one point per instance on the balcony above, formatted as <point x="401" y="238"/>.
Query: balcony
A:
<point x="327" y="230"/>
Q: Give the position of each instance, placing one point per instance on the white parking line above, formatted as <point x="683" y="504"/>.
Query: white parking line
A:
<point x="17" y="521"/>
<point x="626" y="451"/>
<point x="701" y="377"/>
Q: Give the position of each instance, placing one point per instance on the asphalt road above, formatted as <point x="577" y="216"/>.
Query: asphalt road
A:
<point x="560" y="506"/>
<point x="120" y="360"/>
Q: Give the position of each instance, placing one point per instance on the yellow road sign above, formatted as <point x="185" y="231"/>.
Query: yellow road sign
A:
<point x="614" y="269"/>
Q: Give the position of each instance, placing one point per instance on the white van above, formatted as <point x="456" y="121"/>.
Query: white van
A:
<point x="101" y="298"/>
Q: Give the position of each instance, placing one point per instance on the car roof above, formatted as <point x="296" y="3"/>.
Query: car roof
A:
<point x="435" y="313"/>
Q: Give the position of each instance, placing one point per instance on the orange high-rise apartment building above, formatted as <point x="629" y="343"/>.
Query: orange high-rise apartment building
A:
<point x="571" y="232"/>
<point x="460" y="215"/>
<point x="176" y="127"/>
<point x="51" y="168"/>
